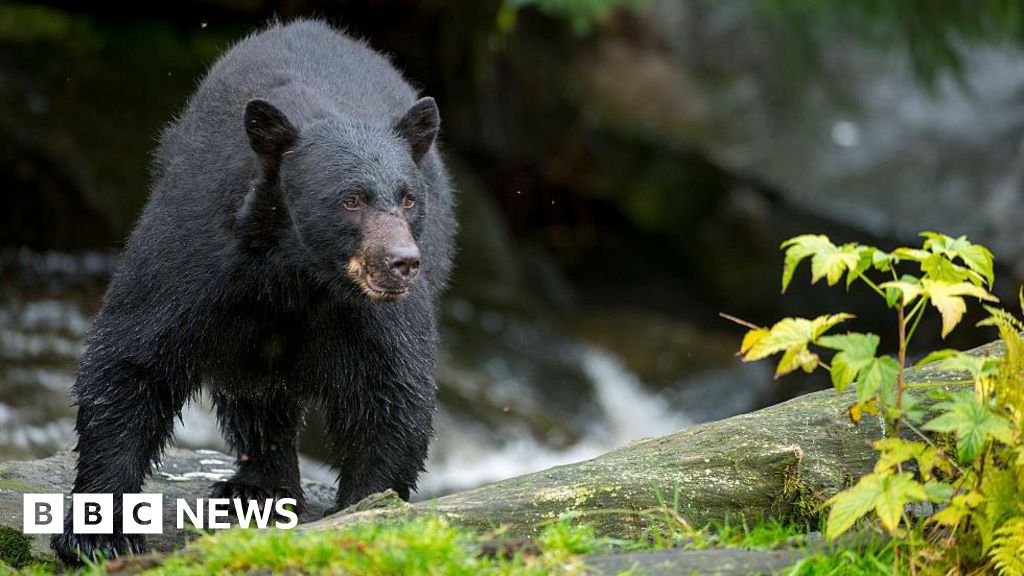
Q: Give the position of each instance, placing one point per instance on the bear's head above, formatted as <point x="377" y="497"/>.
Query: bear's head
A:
<point x="354" y="193"/>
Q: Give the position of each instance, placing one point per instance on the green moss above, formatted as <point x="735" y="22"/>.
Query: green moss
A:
<point x="797" y="502"/>
<point x="424" y="545"/>
<point x="15" y="547"/>
<point x="16" y="486"/>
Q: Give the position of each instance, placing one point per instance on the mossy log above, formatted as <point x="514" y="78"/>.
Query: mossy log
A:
<point x="782" y="461"/>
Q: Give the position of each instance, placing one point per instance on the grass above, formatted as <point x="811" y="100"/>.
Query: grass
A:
<point x="425" y="545"/>
<point x="432" y="546"/>
<point x="875" y="559"/>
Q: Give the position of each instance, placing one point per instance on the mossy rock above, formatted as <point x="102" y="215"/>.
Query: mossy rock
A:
<point x="15" y="547"/>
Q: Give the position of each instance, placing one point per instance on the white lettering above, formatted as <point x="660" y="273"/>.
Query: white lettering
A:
<point x="195" y="517"/>
<point x="285" y="507"/>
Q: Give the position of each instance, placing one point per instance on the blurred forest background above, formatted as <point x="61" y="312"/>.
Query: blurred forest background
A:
<point x="626" y="168"/>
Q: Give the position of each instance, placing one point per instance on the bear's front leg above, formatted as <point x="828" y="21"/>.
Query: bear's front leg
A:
<point x="380" y="445"/>
<point x="126" y="415"/>
<point x="262" y="430"/>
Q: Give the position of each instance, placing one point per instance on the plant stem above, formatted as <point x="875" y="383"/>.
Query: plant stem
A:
<point x="902" y="360"/>
<point x="919" y="310"/>
<point x="739" y="321"/>
<point x="871" y="284"/>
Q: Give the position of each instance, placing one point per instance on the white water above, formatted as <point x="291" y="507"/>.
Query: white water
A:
<point x="463" y="457"/>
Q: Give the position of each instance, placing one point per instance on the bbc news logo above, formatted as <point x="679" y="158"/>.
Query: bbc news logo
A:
<point x="144" y="513"/>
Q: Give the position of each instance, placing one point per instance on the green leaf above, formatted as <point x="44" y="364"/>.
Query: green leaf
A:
<point x="855" y="352"/>
<point x="959" y="507"/>
<point x="1002" y="500"/>
<point x="938" y="492"/>
<point x="979" y="367"/>
<point x="915" y="254"/>
<point x="879" y="377"/>
<point x="975" y="256"/>
<point x="914" y="410"/>
<point x="883" y="261"/>
<point x="938" y="267"/>
<point x="827" y="260"/>
<point x="935" y="356"/>
<point x="883" y="492"/>
<point x="895" y="451"/>
<point x="865" y="258"/>
<point x="869" y="257"/>
<point x="973" y="423"/>
<point x="909" y="288"/>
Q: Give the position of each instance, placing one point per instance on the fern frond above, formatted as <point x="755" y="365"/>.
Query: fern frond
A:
<point x="1007" y="553"/>
<point x="1009" y="386"/>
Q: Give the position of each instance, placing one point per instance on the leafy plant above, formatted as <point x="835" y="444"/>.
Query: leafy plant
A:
<point x="970" y="468"/>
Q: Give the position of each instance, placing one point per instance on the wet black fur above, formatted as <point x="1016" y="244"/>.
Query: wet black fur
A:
<point x="234" y="278"/>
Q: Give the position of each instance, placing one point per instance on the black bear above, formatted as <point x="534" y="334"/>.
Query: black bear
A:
<point x="297" y="236"/>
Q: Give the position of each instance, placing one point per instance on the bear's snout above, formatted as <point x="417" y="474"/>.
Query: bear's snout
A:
<point x="403" y="261"/>
<point x="388" y="260"/>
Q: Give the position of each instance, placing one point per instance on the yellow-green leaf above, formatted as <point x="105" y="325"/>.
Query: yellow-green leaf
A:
<point x="959" y="507"/>
<point x="947" y="299"/>
<point x="938" y="492"/>
<point x="910" y="290"/>
<point x="975" y="256"/>
<point x="895" y="451"/>
<point x="796" y="357"/>
<point x="981" y="368"/>
<point x="883" y="492"/>
<point x="878" y="377"/>
<point x="752" y="337"/>
<point x="1006" y="552"/>
<point x="827" y="260"/>
<point x="856" y="351"/>
<point x="791" y="333"/>
<point x="973" y="423"/>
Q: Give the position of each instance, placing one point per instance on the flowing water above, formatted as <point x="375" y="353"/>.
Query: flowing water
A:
<point x="522" y="399"/>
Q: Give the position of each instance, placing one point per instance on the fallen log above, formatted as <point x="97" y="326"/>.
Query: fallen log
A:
<point x="783" y="461"/>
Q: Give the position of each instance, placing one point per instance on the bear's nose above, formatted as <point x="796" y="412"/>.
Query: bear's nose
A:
<point x="404" y="261"/>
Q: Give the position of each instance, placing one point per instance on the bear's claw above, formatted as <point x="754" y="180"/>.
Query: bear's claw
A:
<point x="76" y="549"/>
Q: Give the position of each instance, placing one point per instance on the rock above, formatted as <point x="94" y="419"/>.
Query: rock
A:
<point x="714" y="562"/>
<point x="183" y="474"/>
<point x="850" y="133"/>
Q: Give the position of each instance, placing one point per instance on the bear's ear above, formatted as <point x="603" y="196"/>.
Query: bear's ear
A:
<point x="270" y="132"/>
<point x="419" y="126"/>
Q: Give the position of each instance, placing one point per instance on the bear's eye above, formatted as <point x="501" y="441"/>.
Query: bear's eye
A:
<point x="408" y="201"/>
<point x="352" y="202"/>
